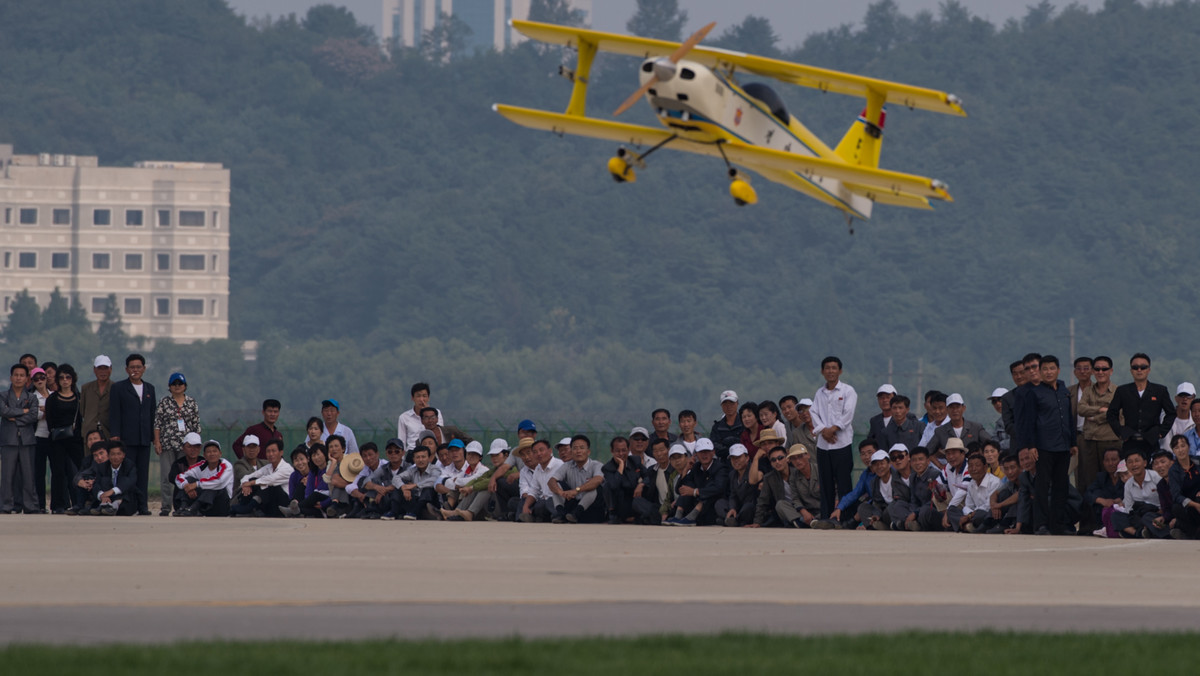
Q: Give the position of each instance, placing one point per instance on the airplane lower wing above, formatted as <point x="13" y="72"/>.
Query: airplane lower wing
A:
<point x="880" y="181"/>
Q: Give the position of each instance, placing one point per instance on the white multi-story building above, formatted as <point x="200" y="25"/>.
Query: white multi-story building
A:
<point x="405" y="21"/>
<point x="156" y="235"/>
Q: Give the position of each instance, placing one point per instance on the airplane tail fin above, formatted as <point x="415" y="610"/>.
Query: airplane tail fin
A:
<point x="862" y="143"/>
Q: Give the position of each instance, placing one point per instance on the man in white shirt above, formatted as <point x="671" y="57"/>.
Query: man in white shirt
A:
<point x="1141" y="503"/>
<point x="970" y="509"/>
<point x="832" y="417"/>
<point x="330" y="411"/>
<point x="935" y="408"/>
<point x="409" y="426"/>
<point x="264" y="490"/>
<point x="208" y="485"/>
<point x="537" y="498"/>
<point x="1184" y="394"/>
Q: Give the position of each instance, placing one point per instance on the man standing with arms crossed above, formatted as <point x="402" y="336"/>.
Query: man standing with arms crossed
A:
<point x="1046" y="423"/>
<point x="1147" y="408"/>
<point x="832" y="415"/>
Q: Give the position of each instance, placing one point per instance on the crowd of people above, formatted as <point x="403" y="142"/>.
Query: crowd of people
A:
<point x="1091" y="458"/>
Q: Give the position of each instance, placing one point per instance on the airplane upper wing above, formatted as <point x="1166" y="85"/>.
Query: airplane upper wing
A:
<point x="806" y="76"/>
<point x="753" y="157"/>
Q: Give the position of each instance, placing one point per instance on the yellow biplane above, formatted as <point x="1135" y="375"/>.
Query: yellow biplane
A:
<point x="704" y="110"/>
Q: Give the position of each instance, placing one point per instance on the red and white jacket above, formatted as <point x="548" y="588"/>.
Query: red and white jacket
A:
<point x="207" y="479"/>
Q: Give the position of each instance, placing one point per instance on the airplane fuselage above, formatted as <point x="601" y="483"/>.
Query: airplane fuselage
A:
<point x="705" y="106"/>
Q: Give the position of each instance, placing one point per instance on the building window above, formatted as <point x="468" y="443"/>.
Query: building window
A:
<point x="191" y="262"/>
<point x="27" y="260"/>
<point x="163" y="263"/>
<point x="191" y="306"/>
<point x="8" y="259"/>
<point x="61" y="217"/>
<point x="133" y="261"/>
<point x="29" y="216"/>
<point x="101" y="261"/>
<point x="191" y="218"/>
<point x="133" y="217"/>
<point x="102" y="217"/>
<point x="164" y="218"/>
<point x="133" y="306"/>
<point x="162" y="307"/>
<point x="7" y="215"/>
<point x="98" y="304"/>
<point x="60" y="261"/>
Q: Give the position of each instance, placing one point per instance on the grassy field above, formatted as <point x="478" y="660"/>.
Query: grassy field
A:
<point x="739" y="654"/>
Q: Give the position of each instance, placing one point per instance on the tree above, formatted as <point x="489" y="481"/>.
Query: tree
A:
<point x="24" y="318"/>
<point x="329" y="21"/>
<point x="556" y="11"/>
<point x="57" y="312"/>
<point x="753" y="35"/>
<point x="111" y="333"/>
<point x="661" y="19"/>
<point x="883" y="26"/>
<point x="447" y="39"/>
<point x="77" y="316"/>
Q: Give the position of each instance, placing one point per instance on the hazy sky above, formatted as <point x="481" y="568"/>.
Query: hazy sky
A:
<point x="792" y="19"/>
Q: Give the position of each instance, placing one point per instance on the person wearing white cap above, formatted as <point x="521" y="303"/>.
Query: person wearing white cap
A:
<point x="884" y="488"/>
<point x="189" y="455"/>
<point x="1185" y="393"/>
<point x="639" y="445"/>
<point x="879" y="421"/>
<point x="969" y="431"/>
<point x="206" y="487"/>
<point x="705" y="483"/>
<point x="727" y="430"/>
<point x="678" y="465"/>
<point x="999" y="433"/>
<point x="737" y="506"/>
<point x="250" y="461"/>
<point x="93" y="397"/>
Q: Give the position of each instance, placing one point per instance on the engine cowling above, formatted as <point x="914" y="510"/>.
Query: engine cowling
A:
<point x="621" y="171"/>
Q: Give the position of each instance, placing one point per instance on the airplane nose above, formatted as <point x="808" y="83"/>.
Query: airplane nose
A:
<point x="664" y="70"/>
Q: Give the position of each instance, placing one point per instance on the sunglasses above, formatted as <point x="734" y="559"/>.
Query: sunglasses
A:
<point x="778" y="458"/>
<point x="1140" y="367"/>
<point x="1101" y="368"/>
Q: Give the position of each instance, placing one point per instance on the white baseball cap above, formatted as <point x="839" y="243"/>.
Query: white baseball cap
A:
<point x="894" y="449"/>
<point x="805" y="402"/>
<point x="193" y="439"/>
<point x="565" y="441"/>
<point x="249" y="440"/>
<point x="998" y="392"/>
<point x="704" y="444"/>
<point x="728" y="395"/>
<point x="1186" y="388"/>
<point x="639" y="430"/>
<point x="880" y="455"/>
<point x="102" y="360"/>
<point x="887" y="388"/>
<point x="677" y="450"/>
<point x="476" y="448"/>
<point x="955" y="398"/>
<point x="736" y="450"/>
<point x="498" y="446"/>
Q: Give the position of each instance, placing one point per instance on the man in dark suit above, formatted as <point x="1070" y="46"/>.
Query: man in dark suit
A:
<point x="905" y="512"/>
<point x="1147" y="407"/>
<point x="116" y="487"/>
<point x="131" y="421"/>
<point x="1044" y="421"/>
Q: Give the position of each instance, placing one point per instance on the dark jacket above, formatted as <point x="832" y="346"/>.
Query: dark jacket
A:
<point x="1043" y="418"/>
<point x="1184" y="485"/>
<point x="126" y="480"/>
<point x="712" y="483"/>
<point x="1104" y="486"/>
<point x="1141" y="414"/>
<point x="741" y="490"/>
<point x="624" y="483"/>
<point x="131" y="418"/>
<point x="908" y="434"/>
<point x="972" y="432"/>
<point x="900" y="490"/>
<point x="22" y="407"/>
<point x="919" y="493"/>
<point x="724" y="435"/>
<point x="879" y="422"/>
<point x="806" y="494"/>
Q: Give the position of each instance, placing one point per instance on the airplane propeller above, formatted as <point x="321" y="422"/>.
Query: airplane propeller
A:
<point x="664" y="69"/>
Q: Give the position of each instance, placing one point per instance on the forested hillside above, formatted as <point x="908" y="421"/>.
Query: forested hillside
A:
<point x="387" y="226"/>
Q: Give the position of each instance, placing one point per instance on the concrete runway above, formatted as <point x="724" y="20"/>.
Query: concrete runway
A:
<point x="154" y="579"/>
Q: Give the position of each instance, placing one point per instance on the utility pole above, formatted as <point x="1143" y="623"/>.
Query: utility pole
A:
<point x="920" y="379"/>
<point x="1072" y="330"/>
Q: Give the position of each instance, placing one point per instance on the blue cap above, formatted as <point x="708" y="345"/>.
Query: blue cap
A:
<point x="331" y="402"/>
<point x="456" y="443"/>
<point x="176" y="378"/>
<point x="526" y="426"/>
